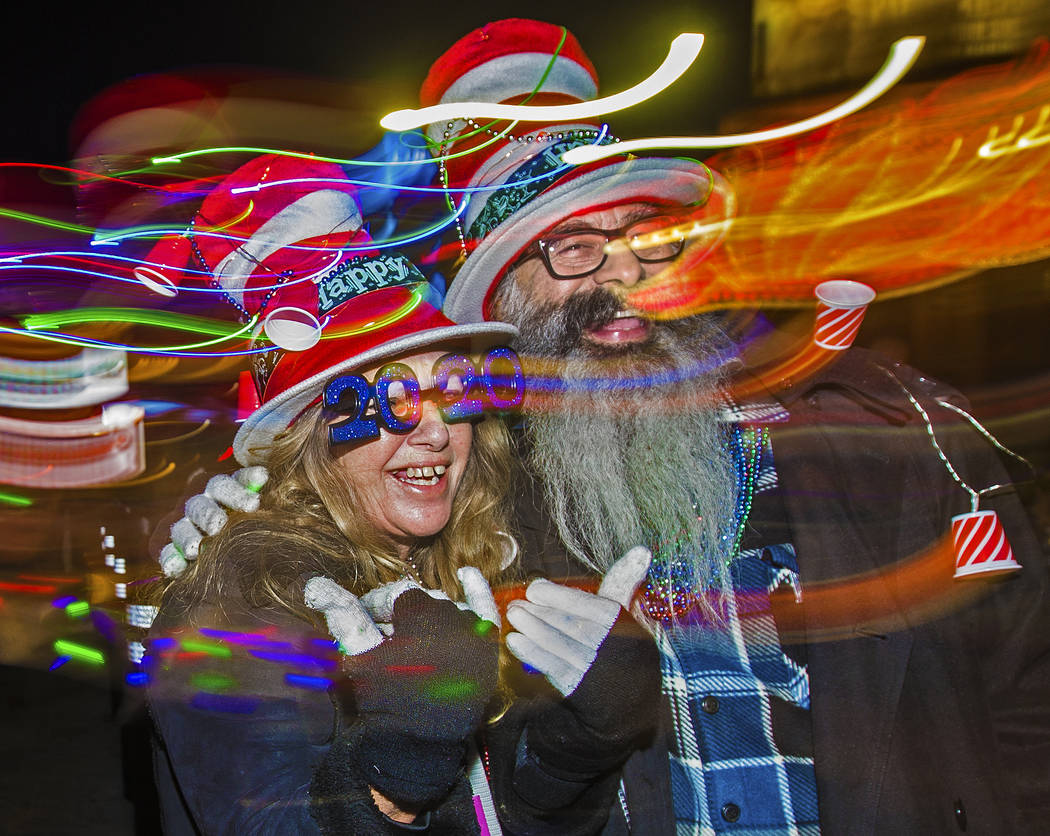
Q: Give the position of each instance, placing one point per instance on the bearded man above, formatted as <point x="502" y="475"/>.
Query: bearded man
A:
<point x="821" y="668"/>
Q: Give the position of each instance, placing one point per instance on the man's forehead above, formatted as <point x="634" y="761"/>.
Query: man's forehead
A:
<point x="608" y="217"/>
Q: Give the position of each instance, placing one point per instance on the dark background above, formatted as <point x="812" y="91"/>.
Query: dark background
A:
<point x="54" y="61"/>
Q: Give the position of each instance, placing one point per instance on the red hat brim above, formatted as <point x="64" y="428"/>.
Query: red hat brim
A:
<point x="299" y="378"/>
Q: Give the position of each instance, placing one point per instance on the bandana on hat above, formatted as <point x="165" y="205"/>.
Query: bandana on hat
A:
<point x="359" y="275"/>
<point x="524" y="183"/>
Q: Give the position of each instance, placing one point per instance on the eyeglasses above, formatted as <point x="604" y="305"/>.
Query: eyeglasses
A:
<point x="579" y="252"/>
<point x="463" y="390"/>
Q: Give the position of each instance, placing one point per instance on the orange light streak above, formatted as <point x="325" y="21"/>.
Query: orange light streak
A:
<point x="904" y="196"/>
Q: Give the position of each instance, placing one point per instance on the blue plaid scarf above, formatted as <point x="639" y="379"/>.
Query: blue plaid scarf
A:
<point x="727" y="775"/>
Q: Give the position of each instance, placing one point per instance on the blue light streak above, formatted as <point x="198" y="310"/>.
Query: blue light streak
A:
<point x="315" y="683"/>
<point x="301" y="660"/>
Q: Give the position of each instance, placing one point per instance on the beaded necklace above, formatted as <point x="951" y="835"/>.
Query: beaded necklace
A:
<point x="281" y="278"/>
<point x="670" y="589"/>
<point x="413" y="574"/>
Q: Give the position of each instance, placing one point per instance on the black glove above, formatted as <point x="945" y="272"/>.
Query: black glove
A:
<point x="613" y="710"/>
<point x="555" y="761"/>
<point x="593" y="652"/>
<point x="420" y="695"/>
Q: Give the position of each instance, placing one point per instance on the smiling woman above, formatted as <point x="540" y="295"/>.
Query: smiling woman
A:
<point x="388" y="476"/>
<point x="407" y="483"/>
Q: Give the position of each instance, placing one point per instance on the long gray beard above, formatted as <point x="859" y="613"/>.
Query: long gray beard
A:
<point x="620" y="463"/>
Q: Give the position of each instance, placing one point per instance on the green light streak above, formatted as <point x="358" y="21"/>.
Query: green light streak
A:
<point x="213" y="683"/>
<point x="135" y="232"/>
<point x="138" y="316"/>
<point x="40" y="220"/>
<point x="210" y="649"/>
<point x="150" y="169"/>
<point x="70" y="339"/>
<point x="302" y="155"/>
<point x="414" y="300"/>
<point x="161" y="230"/>
<point x="154" y="230"/>
<point x="16" y="500"/>
<point x="78" y="651"/>
<point x="451" y="688"/>
<point x="78" y="609"/>
<point x="247" y="149"/>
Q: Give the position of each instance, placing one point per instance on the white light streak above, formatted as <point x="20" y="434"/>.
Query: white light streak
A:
<point x="680" y="57"/>
<point x="902" y="56"/>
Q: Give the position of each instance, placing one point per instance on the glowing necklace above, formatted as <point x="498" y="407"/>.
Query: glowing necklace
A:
<point x="670" y="590"/>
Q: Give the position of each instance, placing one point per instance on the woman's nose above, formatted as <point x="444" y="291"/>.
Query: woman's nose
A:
<point x="431" y="431"/>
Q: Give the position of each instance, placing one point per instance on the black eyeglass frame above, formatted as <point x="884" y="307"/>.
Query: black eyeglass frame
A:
<point x="537" y="249"/>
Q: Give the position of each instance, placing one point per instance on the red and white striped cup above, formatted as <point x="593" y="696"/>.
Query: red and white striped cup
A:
<point x="981" y="544"/>
<point x="840" y="308"/>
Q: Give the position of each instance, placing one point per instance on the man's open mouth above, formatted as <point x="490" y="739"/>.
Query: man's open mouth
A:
<point x="625" y="327"/>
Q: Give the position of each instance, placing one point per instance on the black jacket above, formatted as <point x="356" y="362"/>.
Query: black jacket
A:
<point x="930" y="695"/>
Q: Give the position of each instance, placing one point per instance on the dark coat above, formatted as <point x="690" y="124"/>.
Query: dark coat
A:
<point x="247" y="712"/>
<point x="930" y="695"/>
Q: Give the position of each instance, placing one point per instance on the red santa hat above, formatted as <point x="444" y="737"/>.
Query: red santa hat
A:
<point x="525" y="187"/>
<point x="262" y="237"/>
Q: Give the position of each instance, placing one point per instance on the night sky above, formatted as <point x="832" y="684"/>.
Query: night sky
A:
<point x="56" y="61"/>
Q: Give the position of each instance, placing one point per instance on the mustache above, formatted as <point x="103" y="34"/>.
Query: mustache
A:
<point x="579" y="313"/>
<point x="555" y="328"/>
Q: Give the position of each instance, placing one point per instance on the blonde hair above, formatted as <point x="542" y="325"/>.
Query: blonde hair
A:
<point x="310" y="522"/>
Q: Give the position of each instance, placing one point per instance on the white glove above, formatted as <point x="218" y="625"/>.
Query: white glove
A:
<point x="347" y="619"/>
<point x="560" y="628"/>
<point x="358" y="624"/>
<point x="477" y="596"/>
<point x="205" y="514"/>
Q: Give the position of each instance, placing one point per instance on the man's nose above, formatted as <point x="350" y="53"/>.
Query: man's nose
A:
<point x="621" y="265"/>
